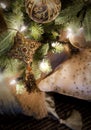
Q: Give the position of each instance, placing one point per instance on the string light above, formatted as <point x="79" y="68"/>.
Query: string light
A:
<point x="77" y="31"/>
<point x="3" y="5"/>
<point x="57" y="46"/>
<point x="20" y="88"/>
<point x="12" y="82"/>
<point x="54" y="44"/>
<point x="23" y="28"/>
<point x="69" y="32"/>
<point x="45" y="66"/>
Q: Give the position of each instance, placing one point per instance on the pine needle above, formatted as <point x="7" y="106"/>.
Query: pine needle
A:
<point x="6" y="41"/>
<point x="14" y="21"/>
<point x="69" y="14"/>
<point x="36" y="31"/>
<point x="87" y="25"/>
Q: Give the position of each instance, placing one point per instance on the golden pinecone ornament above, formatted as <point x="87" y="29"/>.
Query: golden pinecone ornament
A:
<point x="23" y="48"/>
<point x="43" y="11"/>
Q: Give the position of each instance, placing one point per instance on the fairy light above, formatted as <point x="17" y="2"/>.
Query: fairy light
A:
<point x="20" y="88"/>
<point x="3" y="5"/>
<point x="57" y="46"/>
<point x="54" y="44"/>
<point x="74" y="32"/>
<point x="69" y="32"/>
<point x="45" y="66"/>
<point x="12" y="82"/>
<point x="23" y="28"/>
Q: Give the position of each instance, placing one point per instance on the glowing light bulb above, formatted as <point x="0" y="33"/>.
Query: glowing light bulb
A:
<point x="45" y="66"/>
<point x="20" y="89"/>
<point x="58" y="47"/>
<point x="53" y="44"/>
<point x="12" y="82"/>
<point x="69" y="32"/>
<point x="3" y="5"/>
<point x="23" y="28"/>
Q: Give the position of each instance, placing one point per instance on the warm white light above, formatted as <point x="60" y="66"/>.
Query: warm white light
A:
<point x="20" y="89"/>
<point x="3" y="5"/>
<point x="12" y="82"/>
<point x="69" y="32"/>
<point x="53" y="44"/>
<point x="69" y="29"/>
<point x="44" y="66"/>
<point x="58" y="47"/>
<point x="23" y="28"/>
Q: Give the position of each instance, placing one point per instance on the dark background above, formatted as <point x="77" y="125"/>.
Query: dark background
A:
<point x="64" y="105"/>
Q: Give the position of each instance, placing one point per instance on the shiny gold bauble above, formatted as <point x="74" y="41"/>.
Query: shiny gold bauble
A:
<point x="43" y="11"/>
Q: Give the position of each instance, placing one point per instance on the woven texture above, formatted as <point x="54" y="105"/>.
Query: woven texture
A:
<point x="64" y="105"/>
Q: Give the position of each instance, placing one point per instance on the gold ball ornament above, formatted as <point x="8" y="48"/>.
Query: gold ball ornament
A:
<point x="43" y="11"/>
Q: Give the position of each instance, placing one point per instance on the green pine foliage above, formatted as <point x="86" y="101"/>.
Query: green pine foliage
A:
<point x="36" y="31"/>
<point x="14" y="21"/>
<point x="87" y="25"/>
<point x="76" y="13"/>
<point x="41" y="52"/>
<point x="6" y="41"/>
<point x="36" y="70"/>
<point x="69" y="14"/>
<point x="38" y="56"/>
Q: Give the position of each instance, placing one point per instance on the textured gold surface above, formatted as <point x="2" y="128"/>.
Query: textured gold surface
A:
<point x="23" y="48"/>
<point x="43" y="11"/>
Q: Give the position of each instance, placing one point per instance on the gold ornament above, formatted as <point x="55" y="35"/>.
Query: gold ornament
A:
<point x="23" y="48"/>
<point x="43" y="11"/>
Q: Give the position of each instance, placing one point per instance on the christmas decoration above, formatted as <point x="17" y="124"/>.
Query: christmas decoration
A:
<point x="36" y="31"/>
<point x="29" y="81"/>
<point x="20" y="88"/>
<point x="72" y="77"/>
<point x="45" y="66"/>
<point x="57" y="47"/>
<point x="36" y="104"/>
<point x="43" y="11"/>
<point x="32" y="55"/>
<point x="23" y="48"/>
<point x="5" y="4"/>
<point x="86" y="25"/>
<point x="77" y="37"/>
